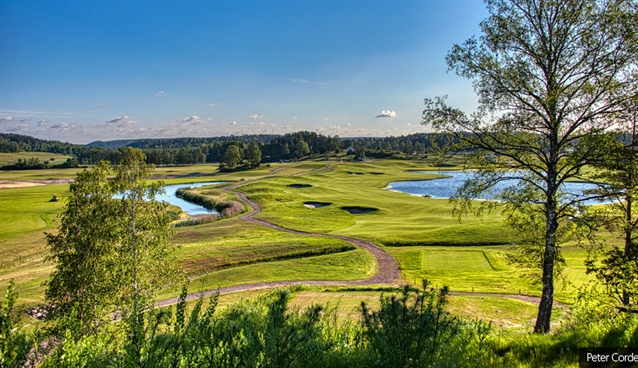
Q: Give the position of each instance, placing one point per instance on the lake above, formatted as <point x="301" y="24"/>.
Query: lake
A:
<point x="446" y="187"/>
<point x="189" y="208"/>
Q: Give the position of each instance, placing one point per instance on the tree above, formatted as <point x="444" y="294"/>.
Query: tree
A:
<point x="550" y="75"/>
<point x="146" y="263"/>
<point x="407" y="148"/>
<point x="619" y="171"/>
<point x="111" y="252"/>
<point x="301" y="148"/>
<point x="83" y="252"/>
<point x="419" y="148"/>
<point x="253" y="154"/>
<point x="232" y="157"/>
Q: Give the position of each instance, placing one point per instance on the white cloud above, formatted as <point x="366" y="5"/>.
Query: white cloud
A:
<point x="233" y="123"/>
<point x="61" y="126"/>
<point x="319" y="85"/>
<point x="386" y="114"/>
<point x="213" y="104"/>
<point x="5" y="119"/>
<point x="190" y="118"/>
<point x="160" y="94"/>
<point x="408" y="124"/>
<point x="347" y="124"/>
<point x="194" y="120"/>
<point x="101" y="105"/>
<point x="121" y="121"/>
<point x="19" y="128"/>
<point x="255" y="116"/>
<point x="43" y="122"/>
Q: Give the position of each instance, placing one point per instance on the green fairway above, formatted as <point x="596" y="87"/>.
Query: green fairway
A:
<point x="400" y="219"/>
<point x="474" y="261"/>
<point x="419" y="232"/>
<point x="25" y="214"/>
<point x="229" y="243"/>
<point x="488" y="270"/>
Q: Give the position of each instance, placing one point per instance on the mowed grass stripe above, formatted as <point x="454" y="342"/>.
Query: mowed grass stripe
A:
<point x="469" y="260"/>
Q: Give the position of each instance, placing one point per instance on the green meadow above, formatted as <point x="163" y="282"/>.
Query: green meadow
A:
<point x="420" y="233"/>
<point x="7" y="158"/>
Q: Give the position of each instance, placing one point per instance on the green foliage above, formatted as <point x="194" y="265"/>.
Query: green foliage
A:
<point x="83" y="252"/>
<point x="111" y="254"/>
<point x="538" y="70"/>
<point x="301" y="149"/>
<point x="595" y="322"/>
<point x="146" y="262"/>
<point x="232" y="158"/>
<point x="411" y="329"/>
<point x="14" y="343"/>
<point x="253" y="154"/>
<point x="618" y="169"/>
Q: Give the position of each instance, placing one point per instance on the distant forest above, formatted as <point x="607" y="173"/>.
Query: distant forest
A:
<point x="191" y="150"/>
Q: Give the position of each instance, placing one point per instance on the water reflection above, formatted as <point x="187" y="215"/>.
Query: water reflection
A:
<point x="446" y="187"/>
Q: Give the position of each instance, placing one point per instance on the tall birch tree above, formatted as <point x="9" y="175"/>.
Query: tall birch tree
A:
<point x="550" y="76"/>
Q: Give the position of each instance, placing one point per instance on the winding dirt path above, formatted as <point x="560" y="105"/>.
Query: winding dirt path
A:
<point x="387" y="267"/>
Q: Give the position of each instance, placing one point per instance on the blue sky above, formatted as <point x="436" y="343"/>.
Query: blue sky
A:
<point x="80" y="71"/>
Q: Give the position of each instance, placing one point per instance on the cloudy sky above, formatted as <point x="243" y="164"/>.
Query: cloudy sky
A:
<point x="100" y="70"/>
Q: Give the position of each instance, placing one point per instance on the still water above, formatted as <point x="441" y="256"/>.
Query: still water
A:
<point x="446" y="187"/>
<point x="187" y="207"/>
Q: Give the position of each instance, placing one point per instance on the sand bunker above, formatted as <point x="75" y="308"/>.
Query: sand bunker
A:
<point x="359" y="210"/>
<point x="17" y="184"/>
<point x="317" y="204"/>
<point x="300" y="185"/>
<point x="8" y="184"/>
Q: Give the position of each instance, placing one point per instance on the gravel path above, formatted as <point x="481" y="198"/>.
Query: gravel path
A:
<point x="387" y="267"/>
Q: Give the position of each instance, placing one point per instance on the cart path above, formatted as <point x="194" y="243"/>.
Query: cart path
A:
<point x="387" y="267"/>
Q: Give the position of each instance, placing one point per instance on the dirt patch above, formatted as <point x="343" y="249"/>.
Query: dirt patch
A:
<point x="7" y="184"/>
<point x="359" y="210"/>
<point x="317" y="204"/>
<point x="17" y="184"/>
<point x="300" y="185"/>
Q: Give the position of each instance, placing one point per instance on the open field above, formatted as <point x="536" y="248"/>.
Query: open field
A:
<point x="7" y="158"/>
<point x="419" y="232"/>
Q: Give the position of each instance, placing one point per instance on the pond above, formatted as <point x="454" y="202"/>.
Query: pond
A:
<point x="446" y="187"/>
<point x="189" y="208"/>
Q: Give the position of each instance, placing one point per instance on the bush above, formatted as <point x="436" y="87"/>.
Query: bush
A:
<point x="14" y="343"/>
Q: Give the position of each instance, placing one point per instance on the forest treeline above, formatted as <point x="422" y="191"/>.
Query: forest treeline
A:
<point x="190" y="150"/>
